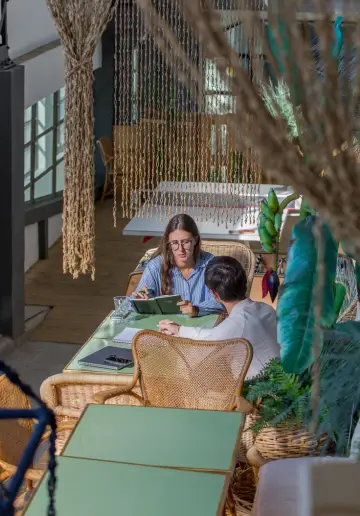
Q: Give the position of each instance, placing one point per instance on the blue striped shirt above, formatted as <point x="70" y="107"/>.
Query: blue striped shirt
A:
<point x="193" y="289"/>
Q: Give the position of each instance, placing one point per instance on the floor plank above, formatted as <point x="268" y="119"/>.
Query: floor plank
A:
<point x="78" y="306"/>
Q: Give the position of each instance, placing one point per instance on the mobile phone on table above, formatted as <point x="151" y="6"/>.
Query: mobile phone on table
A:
<point x="118" y="362"/>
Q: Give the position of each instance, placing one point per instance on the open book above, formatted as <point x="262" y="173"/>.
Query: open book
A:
<point x="166" y="305"/>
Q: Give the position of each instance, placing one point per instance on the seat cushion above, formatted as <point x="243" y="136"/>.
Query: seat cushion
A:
<point x="277" y="491"/>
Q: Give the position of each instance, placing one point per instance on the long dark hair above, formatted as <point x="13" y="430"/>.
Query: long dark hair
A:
<point x="185" y="223"/>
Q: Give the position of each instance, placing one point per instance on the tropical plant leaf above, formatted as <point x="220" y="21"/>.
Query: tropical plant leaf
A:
<point x="295" y="309"/>
<point x="306" y="210"/>
<point x="340" y="293"/>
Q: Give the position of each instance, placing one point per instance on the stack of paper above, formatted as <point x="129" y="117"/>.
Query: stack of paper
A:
<point x="126" y="335"/>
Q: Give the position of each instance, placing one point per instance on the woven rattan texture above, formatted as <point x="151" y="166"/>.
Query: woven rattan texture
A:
<point x="184" y="373"/>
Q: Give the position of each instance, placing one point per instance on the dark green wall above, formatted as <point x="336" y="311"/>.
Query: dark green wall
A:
<point x="104" y="98"/>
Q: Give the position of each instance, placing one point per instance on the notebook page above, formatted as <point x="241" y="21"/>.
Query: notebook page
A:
<point x="126" y="335"/>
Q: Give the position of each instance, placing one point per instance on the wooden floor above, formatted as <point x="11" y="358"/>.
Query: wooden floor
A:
<point x="80" y="305"/>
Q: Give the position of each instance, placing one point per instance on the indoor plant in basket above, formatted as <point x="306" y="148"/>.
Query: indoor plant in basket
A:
<point x="288" y="403"/>
<point x="281" y="400"/>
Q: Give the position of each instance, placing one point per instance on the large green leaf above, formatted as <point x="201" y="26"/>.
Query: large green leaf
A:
<point x="295" y="309"/>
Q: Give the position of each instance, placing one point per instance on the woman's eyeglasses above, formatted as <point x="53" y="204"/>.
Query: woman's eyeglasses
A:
<point x="184" y="244"/>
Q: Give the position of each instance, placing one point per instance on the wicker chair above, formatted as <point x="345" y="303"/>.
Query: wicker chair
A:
<point x="15" y="435"/>
<point x="107" y="156"/>
<point x="184" y="373"/>
<point x="237" y="250"/>
<point x="68" y="394"/>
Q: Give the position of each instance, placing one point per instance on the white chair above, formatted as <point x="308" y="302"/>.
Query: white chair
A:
<point x="278" y="492"/>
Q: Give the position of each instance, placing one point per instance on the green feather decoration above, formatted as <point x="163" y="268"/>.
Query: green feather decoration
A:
<point x="295" y="309"/>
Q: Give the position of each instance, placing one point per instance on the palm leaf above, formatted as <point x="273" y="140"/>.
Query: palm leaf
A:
<point x="295" y="309"/>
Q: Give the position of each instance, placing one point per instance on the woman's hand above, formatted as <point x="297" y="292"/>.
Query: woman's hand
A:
<point x="142" y="294"/>
<point x="169" y="327"/>
<point x="188" y="309"/>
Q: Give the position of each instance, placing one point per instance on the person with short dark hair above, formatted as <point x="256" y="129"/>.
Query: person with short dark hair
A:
<point x="251" y="320"/>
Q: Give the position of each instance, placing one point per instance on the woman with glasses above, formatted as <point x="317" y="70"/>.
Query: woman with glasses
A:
<point x="178" y="268"/>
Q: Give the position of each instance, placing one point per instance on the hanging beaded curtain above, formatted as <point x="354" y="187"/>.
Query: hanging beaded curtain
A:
<point x="327" y="117"/>
<point x="80" y="24"/>
<point x="175" y="146"/>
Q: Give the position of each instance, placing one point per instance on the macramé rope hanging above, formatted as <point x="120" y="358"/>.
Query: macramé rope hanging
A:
<point x="80" y="24"/>
<point x="175" y="146"/>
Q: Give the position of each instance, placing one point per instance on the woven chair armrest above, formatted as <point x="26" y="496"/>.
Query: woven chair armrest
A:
<point x="60" y="428"/>
<point x="243" y="405"/>
<point x="255" y="458"/>
<point x="31" y="474"/>
<point x="103" y="396"/>
<point x="34" y="474"/>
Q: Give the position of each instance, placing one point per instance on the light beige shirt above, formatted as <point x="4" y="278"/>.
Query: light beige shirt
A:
<point x="249" y="320"/>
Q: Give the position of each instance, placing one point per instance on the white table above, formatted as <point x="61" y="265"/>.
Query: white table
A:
<point x="223" y="195"/>
<point x="210" y="221"/>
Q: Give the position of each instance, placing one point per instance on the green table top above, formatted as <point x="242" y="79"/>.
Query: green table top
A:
<point x="93" y="488"/>
<point x="109" y="328"/>
<point x="166" y="437"/>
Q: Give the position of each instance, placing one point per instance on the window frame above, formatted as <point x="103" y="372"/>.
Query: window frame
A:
<point x="245" y="56"/>
<point x="54" y="129"/>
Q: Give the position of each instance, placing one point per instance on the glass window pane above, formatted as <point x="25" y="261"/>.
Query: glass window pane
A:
<point x="237" y="40"/>
<point x="213" y="140"/>
<point x="27" y="125"/>
<point x="43" y="186"/>
<point x="27" y="195"/>
<point x="27" y="165"/>
<point x="213" y="81"/>
<point x="45" y="114"/>
<point x="60" y="142"/>
<point x="61" y="110"/>
<point x="61" y="104"/>
<point x="223" y="133"/>
<point x="219" y="104"/>
<point x="43" y="153"/>
<point x="60" y="176"/>
<point x="27" y="116"/>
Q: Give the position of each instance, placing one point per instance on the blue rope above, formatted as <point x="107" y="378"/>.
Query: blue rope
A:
<point x="45" y="417"/>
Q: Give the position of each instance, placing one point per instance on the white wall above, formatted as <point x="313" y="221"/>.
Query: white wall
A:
<point x="54" y="228"/>
<point x="32" y="239"/>
<point x="45" y="73"/>
<point x="30" y="26"/>
<point x="31" y="246"/>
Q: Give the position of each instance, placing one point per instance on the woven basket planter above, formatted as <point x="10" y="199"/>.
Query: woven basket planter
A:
<point x="247" y="437"/>
<point x="284" y="442"/>
<point x="243" y="488"/>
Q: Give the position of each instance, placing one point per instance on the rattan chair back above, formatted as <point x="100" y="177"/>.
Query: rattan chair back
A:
<point x="106" y="149"/>
<point x="237" y="250"/>
<point x="184" y="373"/>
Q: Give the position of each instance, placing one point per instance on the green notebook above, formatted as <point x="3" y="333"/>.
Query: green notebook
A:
<point x="165" y="305"/>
